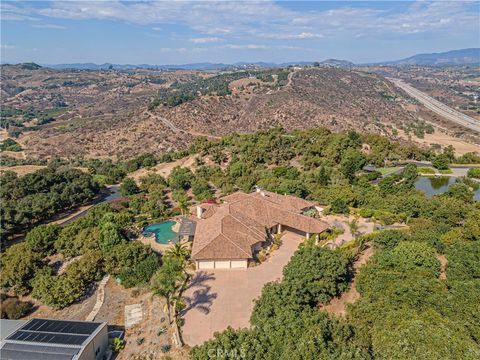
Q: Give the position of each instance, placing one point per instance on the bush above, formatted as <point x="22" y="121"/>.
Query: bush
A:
<point x="385" y="217"/>
<point x="474" y="173"/>
<point x="387" y="239"/>
<point x="118" y="345"/>
<point x="412" y="254"/>
<point x="366" y="213"/>
<point x="339" y="206"/>
<point x="12" y="308"/>
<point x="42" y="238"/>
<point x="56" y="291"/>
<point x="18" y="266"/>
<point x="441" y="162"/>
<point x="129" y="187"/>
<point x="311" y="268"/>
<point x="133" y="262"/>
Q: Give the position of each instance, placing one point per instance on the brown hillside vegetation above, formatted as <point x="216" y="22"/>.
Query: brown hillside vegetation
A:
<point x="104" y="113"/>
<point x="335" y="98"/>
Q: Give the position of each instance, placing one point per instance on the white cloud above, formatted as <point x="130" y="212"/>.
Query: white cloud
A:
<point x="49" y="26"/>
<point x="236" y="20"/>
<point x="173" y="50"/>
<point x="205" y="40"/>
<point x="245" y="46"/>
<point x="302" y="35"/>
<point x="6" y="46"/>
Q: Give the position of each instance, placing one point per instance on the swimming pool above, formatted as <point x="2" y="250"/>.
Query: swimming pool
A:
<point x="163" y="232"/>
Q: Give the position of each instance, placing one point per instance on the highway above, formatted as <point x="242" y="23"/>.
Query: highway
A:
<point x="438" y="107"/>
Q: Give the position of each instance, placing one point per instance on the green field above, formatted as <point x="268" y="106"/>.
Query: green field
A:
<point x="425" y="170"/>
<point x="388" y="170"/>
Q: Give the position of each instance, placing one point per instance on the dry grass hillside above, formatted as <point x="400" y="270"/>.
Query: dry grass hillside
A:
<point x="335" y="98"/>
<point x="105" y="113"/>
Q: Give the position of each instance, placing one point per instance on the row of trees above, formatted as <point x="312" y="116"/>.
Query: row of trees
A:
<point x="35" y="197"/>
<point x="97" y="244"/>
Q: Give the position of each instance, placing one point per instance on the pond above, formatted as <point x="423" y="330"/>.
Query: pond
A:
<point x="432" y="185"/>
<point x="163" y="232"/>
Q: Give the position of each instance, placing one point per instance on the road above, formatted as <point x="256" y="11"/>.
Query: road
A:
<point x="438" y="107"/>
<point x="114" y="194"/>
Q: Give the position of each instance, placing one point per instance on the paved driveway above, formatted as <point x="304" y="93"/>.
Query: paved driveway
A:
<point x="218" y="298"/>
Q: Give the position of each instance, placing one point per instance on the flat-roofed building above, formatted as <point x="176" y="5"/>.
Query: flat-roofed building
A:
<point x="46" y="339"/>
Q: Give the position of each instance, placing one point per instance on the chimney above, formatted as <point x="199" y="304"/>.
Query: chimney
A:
<point x="199" y="211"/>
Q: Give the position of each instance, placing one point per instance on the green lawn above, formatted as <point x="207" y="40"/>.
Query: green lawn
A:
<point x="425" y="170"/>
<point x="387" y="170"/>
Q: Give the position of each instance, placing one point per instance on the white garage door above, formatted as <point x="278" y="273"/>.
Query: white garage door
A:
<point x="239" y="264"/>
<point x="222" y="264"/>
<point x="206" y="264"/>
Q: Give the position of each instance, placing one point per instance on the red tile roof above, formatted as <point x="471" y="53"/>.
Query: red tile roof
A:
<point x="229" y="230"/>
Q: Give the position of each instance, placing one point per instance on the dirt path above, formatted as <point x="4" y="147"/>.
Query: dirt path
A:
<point x="100" y="299"/>
<point x="177" y="130"/>
<point x="443" y="266"/>
<point x="289" y="78"/>
<point x="338" y="304"/>
<point x="164" y="169"/>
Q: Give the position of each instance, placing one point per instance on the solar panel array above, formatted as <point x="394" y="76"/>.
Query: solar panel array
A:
<point x="42" y="339"/>
<point x="62" y="326"/>
<point x="49" y="338"/>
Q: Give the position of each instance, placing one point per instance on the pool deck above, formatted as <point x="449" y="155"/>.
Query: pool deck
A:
<point x="150" y="241"/>
<point x="157" y="247"/>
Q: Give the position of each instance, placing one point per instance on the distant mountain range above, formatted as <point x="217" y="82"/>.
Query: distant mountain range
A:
<point x="194" y="66"/>
<point x="469" y="56"/>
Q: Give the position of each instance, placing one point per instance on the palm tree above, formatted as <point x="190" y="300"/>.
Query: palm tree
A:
<point x="183" y="204"/>
<point x="178" y="251"/>
<point x="169" y="282"/>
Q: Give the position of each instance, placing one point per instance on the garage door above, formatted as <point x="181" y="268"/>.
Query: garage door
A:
<point x="293" y="231"/>
<point x="239" y="264"/>
<point x="206" y="264"/>
<point x="222" y="264"/>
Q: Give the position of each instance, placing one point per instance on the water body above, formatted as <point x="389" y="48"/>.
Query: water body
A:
<point x="163" y="231"/>
<point x="432" y="185"/>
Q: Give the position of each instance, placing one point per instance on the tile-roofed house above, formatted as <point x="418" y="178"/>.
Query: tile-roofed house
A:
<point x="228" y="234"/>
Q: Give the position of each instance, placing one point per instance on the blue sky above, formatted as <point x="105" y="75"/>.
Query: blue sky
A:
<point x="178" y="32"/>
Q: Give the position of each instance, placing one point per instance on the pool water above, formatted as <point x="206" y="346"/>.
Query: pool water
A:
<point x="163" y="232"/>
